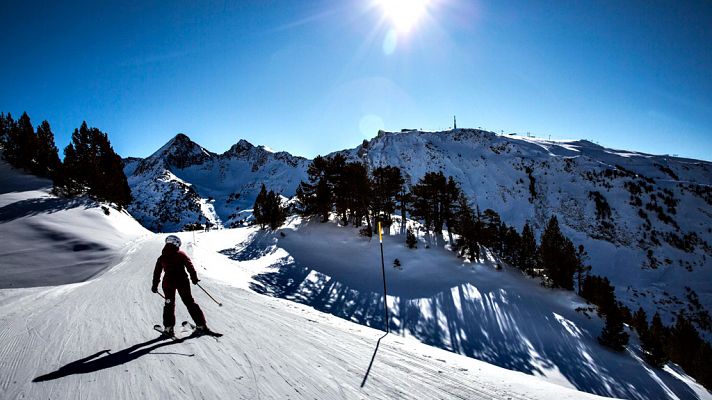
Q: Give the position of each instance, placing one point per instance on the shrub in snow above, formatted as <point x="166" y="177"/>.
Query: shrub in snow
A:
<point x="410" y="239"/>
<point x="397" y="264"/>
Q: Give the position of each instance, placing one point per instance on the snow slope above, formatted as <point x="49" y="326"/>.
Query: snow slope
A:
<point x="500" y="317"/>
<point x="48" y="240"/>
<point x="94" y="340"/>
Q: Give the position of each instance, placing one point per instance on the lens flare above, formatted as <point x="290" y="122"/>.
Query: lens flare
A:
<point x="369" y="125"/>
<point x="390" y="42"/>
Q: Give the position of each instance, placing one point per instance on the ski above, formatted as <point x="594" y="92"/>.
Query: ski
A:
<point x="165" y="334"/>
<point x="206" y="332"/>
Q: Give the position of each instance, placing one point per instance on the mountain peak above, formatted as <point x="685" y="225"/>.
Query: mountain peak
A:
<point x="241" y="147"/>
<point x="181" y="152"/>
<point x="181" y="138"/>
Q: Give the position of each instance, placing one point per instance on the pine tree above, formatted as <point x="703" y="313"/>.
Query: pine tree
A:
<point x="599" y="291"/>
<point x="450" y="203"/>
<point x="527" y="250"/>
<point x="651" y="342"/>
<point x="316" y="195"/>
<point x="428" y="202"/>
<point x="581" y="267"/>
<point x="410" y="239"/>
<point x="702" y="367"/>
<point x="468" y="226"/>
<point x="113" y="185"/>
<point x="511" y="244"/>
<point x="613" y="334"/>
<point x="683" y="342"/>
<point x="338" y="181"/>
<point x="277" y="213"/>
<point x="404" y="199"/>
<point x="268" y="209"/>
<point x="20" y="145"/>
<point x="386" y="185"/>
<point x="640" y="321"/>
<point x="68" y="182"/>
<point x="492" y="233"/>
<point x="48" y="163"/>
<point x="557" y="256"/>
<point x="6" y="124"/>
<point x="260" y="208"/>
<point x="91" y="166"/>
<point x="356" y="193"/>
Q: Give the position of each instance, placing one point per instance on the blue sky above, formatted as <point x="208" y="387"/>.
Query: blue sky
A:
<point x="311" y="77"/>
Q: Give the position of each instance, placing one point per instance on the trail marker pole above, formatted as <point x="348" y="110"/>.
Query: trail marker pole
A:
<point x="383" y="269"/>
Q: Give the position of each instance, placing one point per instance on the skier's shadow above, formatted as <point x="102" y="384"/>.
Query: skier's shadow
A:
<point x="93" y="364"/>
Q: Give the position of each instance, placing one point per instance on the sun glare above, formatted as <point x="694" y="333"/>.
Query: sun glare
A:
<point x="404" y="14"/>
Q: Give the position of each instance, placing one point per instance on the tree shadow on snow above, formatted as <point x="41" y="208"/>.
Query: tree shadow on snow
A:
<point x="492" y="324"/>
<point x="258" y="245"/>
<point x="96" y="362"/>
<point x="44" y="205"/>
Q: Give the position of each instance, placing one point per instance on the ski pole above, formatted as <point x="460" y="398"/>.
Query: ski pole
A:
<point x="161" y="294"/>
<point x="211" y="297"/>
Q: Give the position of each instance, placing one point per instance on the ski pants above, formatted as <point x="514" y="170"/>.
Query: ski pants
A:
<point x="183" y="288"/>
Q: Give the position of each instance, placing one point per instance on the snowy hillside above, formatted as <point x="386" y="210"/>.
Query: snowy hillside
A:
<point x="644" y="219"/>
<point x="183" y="183"/>
<point x="48" y="240"/>
<point x="501" y="317"/>
<point x="94" y="340"/>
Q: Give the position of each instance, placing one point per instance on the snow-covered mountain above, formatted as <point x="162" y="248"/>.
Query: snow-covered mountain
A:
<point x="644" y="219"/>
<point x="183" y="183"/>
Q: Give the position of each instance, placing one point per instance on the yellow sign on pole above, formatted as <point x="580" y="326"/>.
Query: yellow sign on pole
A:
<point x="380" y="234"/>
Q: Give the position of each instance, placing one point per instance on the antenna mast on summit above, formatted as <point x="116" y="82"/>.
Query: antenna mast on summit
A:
<point x="454" y="122"/>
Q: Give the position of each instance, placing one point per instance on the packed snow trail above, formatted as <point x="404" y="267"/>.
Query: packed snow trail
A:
<point x="95" y="340"/>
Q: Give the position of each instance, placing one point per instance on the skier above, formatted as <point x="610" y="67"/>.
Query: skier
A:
<point x="174" y="263"/>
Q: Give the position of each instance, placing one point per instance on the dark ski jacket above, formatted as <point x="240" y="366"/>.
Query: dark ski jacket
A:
<point x="174" y="263"/>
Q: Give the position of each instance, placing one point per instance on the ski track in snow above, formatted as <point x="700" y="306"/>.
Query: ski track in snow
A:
<point x="93" y="339"/>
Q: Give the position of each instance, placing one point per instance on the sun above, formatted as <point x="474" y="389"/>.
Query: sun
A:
<point x="404" y="14"/>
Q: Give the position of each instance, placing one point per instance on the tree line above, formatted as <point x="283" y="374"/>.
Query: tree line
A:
<point x="91" y="166"/>
<point x="680" y="343"/>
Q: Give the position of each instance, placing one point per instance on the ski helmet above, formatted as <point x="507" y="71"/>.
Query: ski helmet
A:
<point x="174" y="240"/>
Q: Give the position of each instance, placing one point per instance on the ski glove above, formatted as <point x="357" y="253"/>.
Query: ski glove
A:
<point x="154" y="289"/>
<point x="195" y="281"/>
